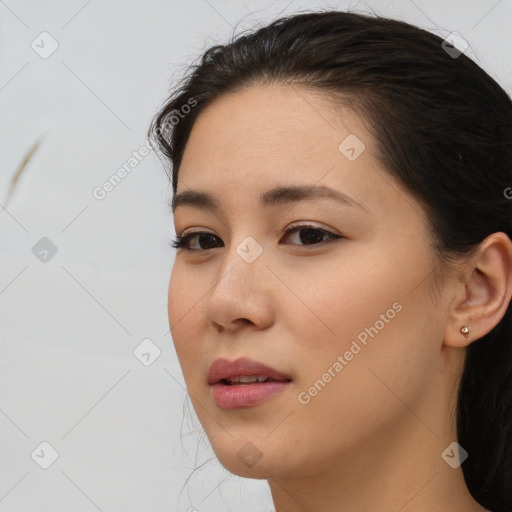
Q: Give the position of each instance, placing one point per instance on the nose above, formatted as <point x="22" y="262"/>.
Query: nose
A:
<point x="242" y="294"/>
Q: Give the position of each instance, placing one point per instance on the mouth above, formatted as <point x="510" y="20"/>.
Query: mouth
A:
<point x="244" y="382"/>
<point x="243" y="371"/>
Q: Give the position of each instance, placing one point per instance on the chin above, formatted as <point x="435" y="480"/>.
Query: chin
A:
<point x="253" y="458"/>
<point x="260" y="470"/>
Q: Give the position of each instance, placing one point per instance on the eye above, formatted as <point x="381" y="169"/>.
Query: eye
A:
<point x="182" y="242"/>
<point x="312" y="235"/>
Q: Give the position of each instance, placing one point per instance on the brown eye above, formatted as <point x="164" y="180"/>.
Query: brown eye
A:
<point x="310" y="235"/>
<point x="183" y="242"/>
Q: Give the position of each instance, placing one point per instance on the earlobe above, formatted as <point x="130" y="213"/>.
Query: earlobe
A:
<point x="483" y="293"/>
<point x="460" y="337"/>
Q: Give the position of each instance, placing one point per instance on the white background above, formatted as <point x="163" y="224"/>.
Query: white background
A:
<point x="68" y="327"/>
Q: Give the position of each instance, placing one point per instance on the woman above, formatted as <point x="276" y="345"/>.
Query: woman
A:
<point x="340" y="298"/>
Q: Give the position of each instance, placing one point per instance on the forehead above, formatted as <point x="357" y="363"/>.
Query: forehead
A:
<point x="249" y="142"/>
<point x="269" y="131"/>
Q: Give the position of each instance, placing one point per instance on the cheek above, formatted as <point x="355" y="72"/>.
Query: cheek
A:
<point x="184" y="301"/>
<point x="184" y="311"/>
<point x="174" y="298"/>
<point x="375" y="316"/>
<point x="346" y="298"/>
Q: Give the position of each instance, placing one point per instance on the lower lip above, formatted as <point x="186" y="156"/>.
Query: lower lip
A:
<point x="245" y="395"/>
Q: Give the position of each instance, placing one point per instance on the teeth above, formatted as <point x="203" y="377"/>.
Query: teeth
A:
<point x="248" y="378"/>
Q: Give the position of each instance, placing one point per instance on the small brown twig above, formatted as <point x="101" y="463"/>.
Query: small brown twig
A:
<point x="20" y="169"/>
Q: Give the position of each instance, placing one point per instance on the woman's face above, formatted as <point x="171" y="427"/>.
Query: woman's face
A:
<point x="343" y="308"/>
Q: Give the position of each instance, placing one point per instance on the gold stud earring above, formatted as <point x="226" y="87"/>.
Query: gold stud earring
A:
<point x="464" y="330"/>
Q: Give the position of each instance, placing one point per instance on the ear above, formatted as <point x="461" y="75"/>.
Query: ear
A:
<point x="482" y="293"/>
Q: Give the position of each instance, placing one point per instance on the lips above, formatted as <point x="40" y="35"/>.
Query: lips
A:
<point x="223" y="369"/>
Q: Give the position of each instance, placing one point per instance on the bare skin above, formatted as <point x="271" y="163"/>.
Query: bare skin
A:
<point x="372" y="437"/>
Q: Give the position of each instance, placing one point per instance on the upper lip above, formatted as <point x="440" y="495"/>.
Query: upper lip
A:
<point x="225" y="369"/>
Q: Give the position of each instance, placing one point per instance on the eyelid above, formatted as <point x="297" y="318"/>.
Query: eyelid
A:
<point x="195" y="231"/>
<point x="305" y="224"/>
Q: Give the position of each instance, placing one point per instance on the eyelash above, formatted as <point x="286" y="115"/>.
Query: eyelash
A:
<point x="180" y="242"/>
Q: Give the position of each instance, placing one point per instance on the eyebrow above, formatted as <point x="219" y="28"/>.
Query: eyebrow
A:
<point x="273" y="197"/>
